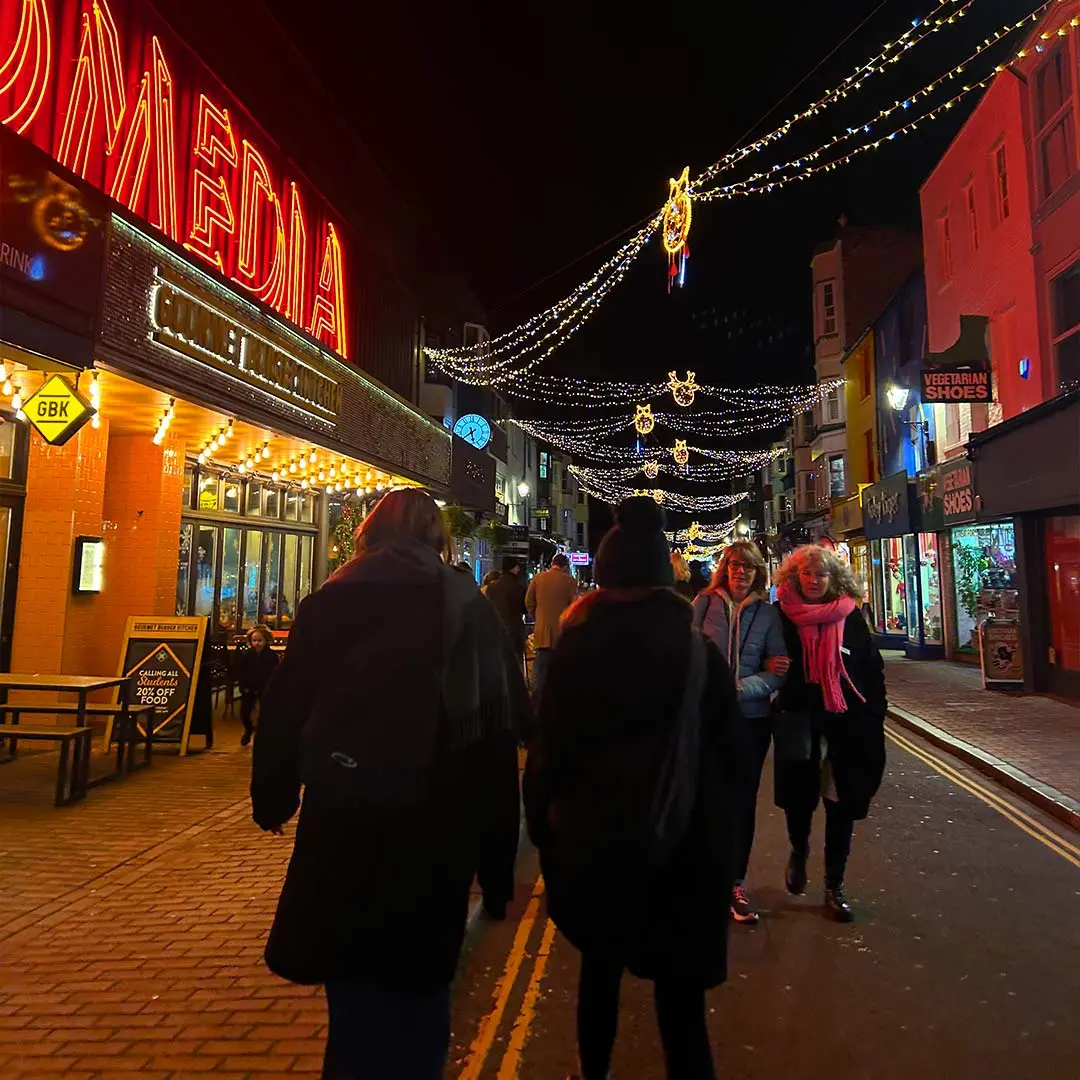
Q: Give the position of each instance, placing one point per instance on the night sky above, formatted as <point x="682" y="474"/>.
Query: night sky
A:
<point x="527" y="136"/>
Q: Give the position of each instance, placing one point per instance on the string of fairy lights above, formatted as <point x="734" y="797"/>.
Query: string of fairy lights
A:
<point x="613" y="494"/>
<point x="705" y="472"/>
<point x="511" y="356"/>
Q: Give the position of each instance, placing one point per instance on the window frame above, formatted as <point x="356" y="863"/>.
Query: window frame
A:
<point x="1046" y="126"/>
<point x="945" y="251"/>
<point x="1058" y="339"/>
<point x="1000" y="171"/>
<point x="972" y="214"/>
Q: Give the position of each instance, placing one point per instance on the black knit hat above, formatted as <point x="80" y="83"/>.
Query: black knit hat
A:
<point x="635" y="554"/>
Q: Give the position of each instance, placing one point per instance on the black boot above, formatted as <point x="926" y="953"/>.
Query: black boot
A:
<point x="836" y="903"/>
<point x="795" y="875"/>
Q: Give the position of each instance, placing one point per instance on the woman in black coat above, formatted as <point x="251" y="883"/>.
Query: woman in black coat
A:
<point x="832" y="713"/>
<point x="399" y="706"/>
<point x="616" y="694"/>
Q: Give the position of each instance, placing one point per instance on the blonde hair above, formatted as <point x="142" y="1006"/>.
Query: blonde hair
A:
<point x="748" y="552"/>
<point x="842" y="579"/>
<point x="405" y="514"/>
<point x="680" y="566"/>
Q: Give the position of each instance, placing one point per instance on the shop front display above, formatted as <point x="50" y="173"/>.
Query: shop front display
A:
<point x="984" y="576"/>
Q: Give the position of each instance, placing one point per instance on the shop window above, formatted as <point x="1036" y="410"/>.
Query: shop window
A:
<point x="923" y="560"/>
<point x="1001" y="183"/>
<point x="1063" y="579"/>
<point x="253" y="499"/>
<point x="984" y="575"/>
<point x="209" y="492"/>
<point x="1065" y="292"/>
<point x="189" y="481"/>
<point x="205" y="569"/>
<point x="272" y="502"/>
<point x="292" y="504"/>
<point x="307" y="507"/>
<point x="271" y="588"/>
<point x="249" y="613"/>
<point x="1054" y="153"/>
<point x="229" y="595"/>
<point x="891" y="586"/>
<point x="183" y="569"/>
<point x="231" y="497"/>
<point x="306" y="559"/>
<point x="289" y="569"/>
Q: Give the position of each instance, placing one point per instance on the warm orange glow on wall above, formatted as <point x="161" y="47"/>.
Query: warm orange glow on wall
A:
<point x="31" y="55"/>
<point x="328" y="312"/>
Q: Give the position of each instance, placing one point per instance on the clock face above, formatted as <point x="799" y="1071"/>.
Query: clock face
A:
<point x="474" y="429"/>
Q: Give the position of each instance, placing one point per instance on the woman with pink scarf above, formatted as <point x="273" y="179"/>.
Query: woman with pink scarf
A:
<point x="830" y="736"/>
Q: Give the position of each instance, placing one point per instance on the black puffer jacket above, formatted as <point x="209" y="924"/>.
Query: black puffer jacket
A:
<point x="619" y="674"/>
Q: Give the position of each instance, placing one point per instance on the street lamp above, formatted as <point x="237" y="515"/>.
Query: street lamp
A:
<point x="898" y="399"/>
<point x="523" y="493"/>
<point x="897" y="396"/>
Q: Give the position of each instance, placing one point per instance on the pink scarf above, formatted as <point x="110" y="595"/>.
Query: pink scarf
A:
<point x="821" y="631"/>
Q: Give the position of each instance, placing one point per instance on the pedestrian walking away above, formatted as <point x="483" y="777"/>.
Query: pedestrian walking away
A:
<point x="631" y="794"/>
<point x="830" y="724"/>
<point x="507" y="596"/>
<point x="257" y="664"/>
<point x="683" y="575"/>
<point x="735" y="615"/>
<point x="398" y="708"/>
<point x="549" y="595"/>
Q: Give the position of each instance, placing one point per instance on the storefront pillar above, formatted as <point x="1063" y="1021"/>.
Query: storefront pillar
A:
<point x="56" y="632"/>
<point x="322" y="542"/>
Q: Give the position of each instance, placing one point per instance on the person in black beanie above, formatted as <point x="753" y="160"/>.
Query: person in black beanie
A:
<point x="637" y="713"/>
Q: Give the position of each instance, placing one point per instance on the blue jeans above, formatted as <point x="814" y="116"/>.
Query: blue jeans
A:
<point x="377" y="1033"/>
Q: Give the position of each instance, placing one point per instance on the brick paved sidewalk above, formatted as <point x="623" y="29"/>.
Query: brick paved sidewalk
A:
<point x="1036" y="735"/>
<point x="134" y="928"/>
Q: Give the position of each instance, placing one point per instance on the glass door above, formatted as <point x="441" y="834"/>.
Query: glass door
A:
<point x="10" y="535"/>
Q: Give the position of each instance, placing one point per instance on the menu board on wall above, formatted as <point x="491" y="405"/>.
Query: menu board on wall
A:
<point x="162" y="656"/>
<point x="1001" y="654"/>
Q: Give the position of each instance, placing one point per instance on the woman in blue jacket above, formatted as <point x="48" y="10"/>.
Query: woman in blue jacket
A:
<point x="735" y="613"/>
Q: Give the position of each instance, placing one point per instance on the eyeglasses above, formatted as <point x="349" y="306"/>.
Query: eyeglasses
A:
<point x="741" y="568"/>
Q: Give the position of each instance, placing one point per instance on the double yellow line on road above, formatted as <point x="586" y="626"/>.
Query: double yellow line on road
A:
<point x="1025" y="822"/>
<point x="489" y="1026"/>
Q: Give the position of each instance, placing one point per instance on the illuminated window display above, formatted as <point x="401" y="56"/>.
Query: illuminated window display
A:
<point x="984" y="573"/>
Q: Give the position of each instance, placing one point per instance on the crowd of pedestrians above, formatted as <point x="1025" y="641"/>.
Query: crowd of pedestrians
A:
<point x="397" y="713"/>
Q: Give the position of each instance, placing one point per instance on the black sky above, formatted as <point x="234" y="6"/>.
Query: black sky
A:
<point x="525" y="135"/>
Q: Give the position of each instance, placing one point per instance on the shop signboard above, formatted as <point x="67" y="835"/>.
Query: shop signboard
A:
<point x="847" y="516"/>
<point x="162" y="656"/>
<point x="1001" y="653"/>
<point x="886" y="507"/>
<point x="580" y="558"/>
<point x="56" y="410"/>
<point x="108" y="90"/>
<point x="960" y="374"/>
<point x="947" y="495"/>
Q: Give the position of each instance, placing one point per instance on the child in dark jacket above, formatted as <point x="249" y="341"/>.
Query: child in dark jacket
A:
<point x="257" y="664"/>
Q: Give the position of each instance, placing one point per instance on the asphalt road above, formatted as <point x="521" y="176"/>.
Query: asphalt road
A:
<point x="964" y="960"/>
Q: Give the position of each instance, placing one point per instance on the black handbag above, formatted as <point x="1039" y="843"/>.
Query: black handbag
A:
<point x="792" y="735"/>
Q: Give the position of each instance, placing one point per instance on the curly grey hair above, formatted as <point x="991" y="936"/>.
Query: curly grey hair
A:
<point x="842" y="579"/>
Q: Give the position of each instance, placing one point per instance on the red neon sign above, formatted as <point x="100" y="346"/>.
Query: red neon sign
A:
<point x="123" y="103"/>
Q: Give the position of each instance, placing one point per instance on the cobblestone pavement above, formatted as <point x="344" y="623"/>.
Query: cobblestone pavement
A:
<point x="1036" y="734"/>
<point x="134" y="928"/>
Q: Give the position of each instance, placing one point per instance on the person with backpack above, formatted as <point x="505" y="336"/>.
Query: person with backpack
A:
<point x="734" y="614"/>
<point x="631" y="790"/>
<point x="397" y="707"/>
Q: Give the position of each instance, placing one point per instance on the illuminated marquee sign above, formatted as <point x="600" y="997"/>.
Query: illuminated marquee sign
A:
<point x="192" y="322"/>
<point x="107" y="90"/>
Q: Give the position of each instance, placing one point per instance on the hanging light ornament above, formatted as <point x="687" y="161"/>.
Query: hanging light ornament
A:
<point x="658" y="495"/>
<point x="676" y="227"/>
<point x="694" y="531"/>
<point x="651" y="469"/>
<point x="643" y="419"/>
<point x="683" y="392"/>
<point x="679" y="452"/>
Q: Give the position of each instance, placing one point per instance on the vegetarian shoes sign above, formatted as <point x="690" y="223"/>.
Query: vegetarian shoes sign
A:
<point x="107" y="90"/>
<point x="962" y="372"/>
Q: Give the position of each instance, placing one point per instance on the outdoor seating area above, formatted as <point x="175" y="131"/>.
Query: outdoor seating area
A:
<point x="125" y="727"/>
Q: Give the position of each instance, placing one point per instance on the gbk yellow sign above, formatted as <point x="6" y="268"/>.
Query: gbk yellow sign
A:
<point x="57" y="410"/>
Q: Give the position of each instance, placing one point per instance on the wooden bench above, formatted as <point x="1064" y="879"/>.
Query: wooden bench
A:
<point x="126" y="735"/>
<point x="73" y="773"/>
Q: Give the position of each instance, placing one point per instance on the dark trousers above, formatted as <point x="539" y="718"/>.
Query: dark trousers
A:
<point x="381" y="1034"/>
<point x="680" y="1015"/>
<point x="839" y="828"/>
<point x="248" y="700"/>
<point x="541" y="659"/>
<point x="760" y="737"/>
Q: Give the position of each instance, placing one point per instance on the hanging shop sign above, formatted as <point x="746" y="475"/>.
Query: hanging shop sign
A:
<point x="1001" y="653"/>
<point x="947" y="495"/>
<point x="886" y="508"/>
<point x="162" y="657"/>
<point x="847" y="516"/>
<point x="960" y="374"/>
<point x="106" y="89"/>
<point x="57" y="410"/>
<point x="191" y="321"/>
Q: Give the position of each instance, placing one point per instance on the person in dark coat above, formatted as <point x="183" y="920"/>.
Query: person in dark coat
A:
<point x="507" y="596"/>
<point x="617" y="681"/>
<point x="256" y="665"/>
<point x="398" y="705"/>
<point x="834" y="698"/>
